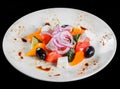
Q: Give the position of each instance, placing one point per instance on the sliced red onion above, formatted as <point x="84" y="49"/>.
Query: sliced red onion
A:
<point x="65" y="41"/>
<point x="51" y="46"/>
<point x="58" y="28"/>
<point x="61" y="38"/>
<point x="57" y="44"/>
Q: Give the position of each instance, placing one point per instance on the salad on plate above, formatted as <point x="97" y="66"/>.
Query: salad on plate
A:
<point x="63" y="45"/>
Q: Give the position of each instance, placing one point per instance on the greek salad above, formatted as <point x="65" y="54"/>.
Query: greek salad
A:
<point x="61" y="42"/>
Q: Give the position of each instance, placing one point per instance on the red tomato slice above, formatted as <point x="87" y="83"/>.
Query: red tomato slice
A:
<point x="81" y="46"/>
<point x="45" y="38"/>
<point x="53" y="57"/>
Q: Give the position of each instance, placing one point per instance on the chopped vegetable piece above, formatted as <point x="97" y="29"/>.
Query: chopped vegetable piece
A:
<point x="77" y="31"/>
<point x="70" y="54"/>
<point x="36" y="34"/>
<point x="81" y="46"/>
<point x="79" y="56"/>
<point x="32" y="52"/>
<point x="34" y="42"/>
<point x="45" y="38"/>
<point x="76" y="37"/>
<point x="53" y="57"/>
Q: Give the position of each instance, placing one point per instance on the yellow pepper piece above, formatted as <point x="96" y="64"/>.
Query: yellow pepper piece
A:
<point x="79" y="56"/>
<point x="32" y="52"/>
<point x="76" y="31"/>
<point x="36" y="34"/>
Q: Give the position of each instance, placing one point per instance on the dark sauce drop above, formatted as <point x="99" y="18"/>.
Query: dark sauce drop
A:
<point x="47" y="23"/>
<point x="83" y="28"/>
<point x="20" y="54"/>
<point x="44" y="69"/>
<point x="23" y="39"/>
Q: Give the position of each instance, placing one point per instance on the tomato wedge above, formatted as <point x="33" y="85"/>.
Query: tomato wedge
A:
<point x="81" y="46"/>
<point x="45" y="38"/>
<point x="53" y="57"/>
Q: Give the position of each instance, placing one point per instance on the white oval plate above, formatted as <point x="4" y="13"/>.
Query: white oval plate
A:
<point x="102" y="36"/>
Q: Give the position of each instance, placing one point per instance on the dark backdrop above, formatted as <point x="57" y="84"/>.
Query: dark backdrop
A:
<point x="13" y="10"/>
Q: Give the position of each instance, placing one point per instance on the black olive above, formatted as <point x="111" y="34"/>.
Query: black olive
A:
<point x="64" y="26"/>
<point x="89" y="52"/>
<point x="41" y="53"/>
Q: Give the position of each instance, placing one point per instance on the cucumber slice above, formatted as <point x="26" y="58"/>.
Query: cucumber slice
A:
<point x="34" y="41"/>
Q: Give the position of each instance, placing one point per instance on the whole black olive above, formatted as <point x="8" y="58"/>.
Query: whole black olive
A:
<point x="41" y="53"/>
<point x="64" y="26"/>
<point x="89" y="52"/>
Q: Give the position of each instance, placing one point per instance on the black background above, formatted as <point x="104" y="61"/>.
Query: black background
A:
<point x="11" y="11"/>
